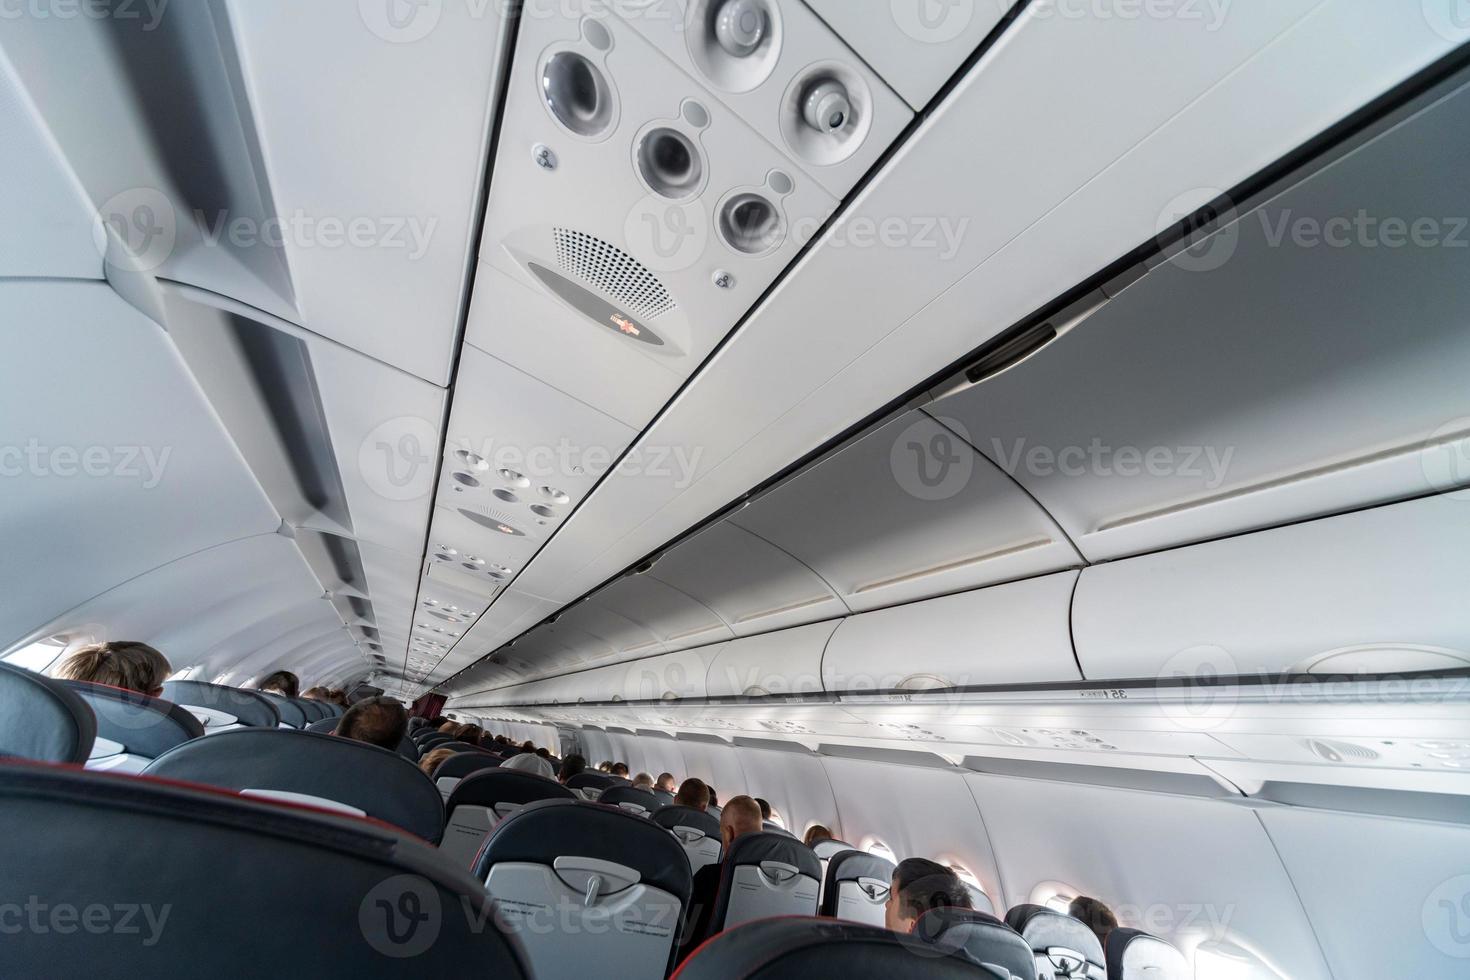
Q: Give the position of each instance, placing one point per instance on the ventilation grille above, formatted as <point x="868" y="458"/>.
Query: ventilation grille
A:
<point x="614" y="272"/>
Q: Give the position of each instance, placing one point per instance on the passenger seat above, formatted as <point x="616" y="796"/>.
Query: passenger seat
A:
<point x="1064" y="947"/>
<point x="981" y="936"/>
<point x="764" y="875"/>
<point x="1134" y="955"/>
<point x="43" y="720"/>
<point x="637" y="801"/>
<point x="856" y="887"/>
<point x="482" y="800"/>
<point x="192" y="882"/>
<point x="588" y="890"/>
<point x="696" y="831"/>
<point x="133" y="729"/>
<point x="220" y="708"/>
<point x="447" y="774"/>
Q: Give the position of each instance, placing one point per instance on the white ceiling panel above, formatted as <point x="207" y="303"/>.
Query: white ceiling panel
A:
<point x="906" y="512"/>
<point x="674" y="617"/>
<point x="374" y="131"/>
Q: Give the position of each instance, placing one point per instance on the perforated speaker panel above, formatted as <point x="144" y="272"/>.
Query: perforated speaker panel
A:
<point x="613" y="272"/>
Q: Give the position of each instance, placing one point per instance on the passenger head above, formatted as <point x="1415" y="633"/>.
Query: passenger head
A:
<point x="544" y="753"/>
<point x="620" y="769"/>
<point x="741" y="816"/>
<point x="338" y="697"/>
<point x="815" y="834"/>
<point x="693" y="792"/>
<point x="317" y="694"/>
<point x="643" y="781"/>
<point x="530" y="762"/>
<point x="470" y="733"/>
<point x="572" y="765"/>
<point x="449" y="728"/>
<point x="376" y="721"/>
<point x="125" y="664"/>
<point x="1095" y="915"/>
<point x="919" y="886"/>
<point x="431" y="761"/>
<point x="666" y="783"/>
<point x="282" y="682"/>
<point x="765" y="808"/>
<point x="604" y="767"/>
<point x="713" y="799"/>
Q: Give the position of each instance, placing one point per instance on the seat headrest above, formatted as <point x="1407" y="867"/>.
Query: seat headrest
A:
<point x="852" y="866"/>
<point x="325" y="726"/>
<point x="1063" y="946"/>
<point x="1135" y="955"/>
<point x="826" y="849"/>
<point x="596" y="780"/>
<point x="799" y="948"/>
<point x="506" y="786"/>
<point x="143" y="726"/>
<point x="461" y="765"/>
<point x="765" y="846"/>
<point x="382" y="784"/>
<point x="982" y="936"/>
<point x="548" y="830"/>
<point x="42" y="719"/>
<point x="771" y="827"/>
<point x="192" y="879"/>
<point x="291" y="713"/>
<point x="628" y="796"/>
<point x="249" y="708"/>
<point x="686" y="816"/>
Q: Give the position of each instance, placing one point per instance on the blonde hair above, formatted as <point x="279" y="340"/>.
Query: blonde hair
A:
<point x="431" y="761"/>
<point x="125" y="664"/>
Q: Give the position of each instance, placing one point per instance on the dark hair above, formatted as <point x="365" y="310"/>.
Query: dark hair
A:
<point x="620" y="769"/>
<point x="923" y="885"/>
<point x="571" y="766"/>
<point x="765" y="808"/>
<point x="693" y="792"/>
<point x="1095" y="915"/>
<point x="282" y="682"/>
<point x="377" y="721"/>
<point x="816" y="833"/>
<point x="713" y="800"/>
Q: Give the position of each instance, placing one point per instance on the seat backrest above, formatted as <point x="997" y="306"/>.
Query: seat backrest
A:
<point x="764" y="875"/>
<point x="593" y="784"/>
<point x="801" y="948"/>
<point x="313" y="709"/>
<point x="449" y="772"/>
<point x="319" y="770"/>
<point x="856" y="887"/>
<point x="638" y="801"/>
<point x="983" y="937"/>
<point x="480" y="801"/>
<point x="589" y="890"/>
<point x="771" y="827"/>
<point x="1135" y="955"/>
<point x="695" y="830"/>
<point x="291" y="713"/>
<point x="192" y="881"/>
<point x="42" y="719"/>
<point x="432" y="742"/>
<point x="1063" y="946"/>
<point x="222" y="708"/>
<point x="134" y="728"/>
<point x="826" y="849"/>
<point x="327" y="726"/>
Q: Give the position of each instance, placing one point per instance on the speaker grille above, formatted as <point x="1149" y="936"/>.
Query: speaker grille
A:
<point x="613" y="272"/>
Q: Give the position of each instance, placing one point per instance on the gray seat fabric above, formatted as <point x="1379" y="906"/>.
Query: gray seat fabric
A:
<point x="249" y="708"/>
<point x="197" y="884"/>
<point x="291" y="713"/>
<point x="1062" y="946"/>
<point x="588" y="890"/>
<point x="981" y="936"/>
<point x="695" y="830"/>
<point x="766" y="875"/>
<point x="593" y="784"/>
<point x="771" y="827"/>
<point x="314" y="710"/>
<point x="1135" y="955"/>
<point x="826" y="849"/>
<point x="381" y="784"/>
<point x="447" y="774"/>
<point x="638" y="801"/>
<point x="42" y="720"/>
<point x="856" y="887"/>
<point x="802" y="948"/>
<point x="480" y="801"/>
<point x="140" y="725"/>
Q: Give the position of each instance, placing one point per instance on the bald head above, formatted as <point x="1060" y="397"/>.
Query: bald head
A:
<point x="741" y="816"/>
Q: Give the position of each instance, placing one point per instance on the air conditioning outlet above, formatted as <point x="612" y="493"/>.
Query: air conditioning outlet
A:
<point x="1340" y="752"/>
<point x="613" y="272"/>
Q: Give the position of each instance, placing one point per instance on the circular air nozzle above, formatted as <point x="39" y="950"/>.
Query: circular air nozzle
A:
<point x="750" y="224"/>
<point x="740" y="27"/>
<point x="577" y="94"/>
<point x="670" y="164"/>
<point x="827" y="107"/>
